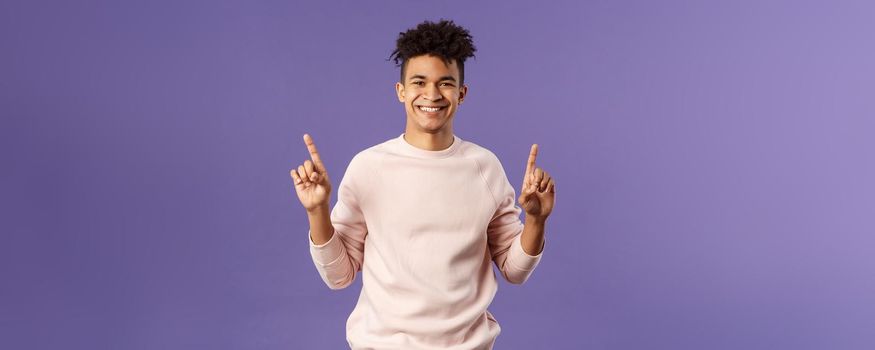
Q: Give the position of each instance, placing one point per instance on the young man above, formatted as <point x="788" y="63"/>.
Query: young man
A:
<point x="423" y="215"/>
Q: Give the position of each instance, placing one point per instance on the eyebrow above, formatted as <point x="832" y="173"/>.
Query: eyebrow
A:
<point x="448" y="77"/>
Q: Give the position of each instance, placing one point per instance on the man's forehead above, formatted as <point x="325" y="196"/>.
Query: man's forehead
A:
<point x="431" y="67"/>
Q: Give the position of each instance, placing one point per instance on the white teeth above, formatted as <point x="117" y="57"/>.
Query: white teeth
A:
<point x="429" y="109"/>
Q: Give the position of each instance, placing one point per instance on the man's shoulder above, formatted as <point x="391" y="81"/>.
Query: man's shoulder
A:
<point x="374" y="152"/>
<point x="481" y="154"/>
<point x="369" y="158"/>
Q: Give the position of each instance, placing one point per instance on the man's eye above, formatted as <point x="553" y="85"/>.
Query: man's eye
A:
<point x="446" y="84"/>
<point x="418" y="83"/>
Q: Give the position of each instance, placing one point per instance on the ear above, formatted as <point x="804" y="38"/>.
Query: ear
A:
<point x="463" y="91"/>
<point x="399" y="90"/>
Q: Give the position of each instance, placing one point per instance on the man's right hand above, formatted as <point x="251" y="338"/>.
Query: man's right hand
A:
<point x="311" y="179"/>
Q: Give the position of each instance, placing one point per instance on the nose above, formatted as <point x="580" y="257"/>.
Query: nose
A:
<point x="432" y="93"/>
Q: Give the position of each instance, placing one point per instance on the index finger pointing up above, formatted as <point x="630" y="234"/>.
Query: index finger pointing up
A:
<point x="530" y="165"/>
<point x="314" y="154"/>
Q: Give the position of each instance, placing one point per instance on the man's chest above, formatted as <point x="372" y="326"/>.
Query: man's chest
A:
<point x="432" y="198"/>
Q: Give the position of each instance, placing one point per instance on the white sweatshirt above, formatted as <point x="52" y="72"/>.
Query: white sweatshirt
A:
<point x="422" y="227"/>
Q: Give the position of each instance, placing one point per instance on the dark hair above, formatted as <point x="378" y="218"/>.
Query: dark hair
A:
<point x="444" y="39"/>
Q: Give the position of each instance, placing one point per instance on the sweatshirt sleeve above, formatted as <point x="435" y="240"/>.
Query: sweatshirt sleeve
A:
<point x="505" y="228"/>
<point x="338" y="260"/>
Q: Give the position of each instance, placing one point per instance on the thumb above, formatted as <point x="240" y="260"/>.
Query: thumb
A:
<point x="526" y="192"/>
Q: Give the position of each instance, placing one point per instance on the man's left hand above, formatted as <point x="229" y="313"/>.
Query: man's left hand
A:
<point x="539" y="190"/>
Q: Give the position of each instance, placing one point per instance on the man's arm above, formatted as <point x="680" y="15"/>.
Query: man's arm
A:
<point x="533" y="235"/>
<point x="537" y="197"/>
<point x="517" y="247"/>
<point x="336" y="242"/>
<point x="320" y="224"/>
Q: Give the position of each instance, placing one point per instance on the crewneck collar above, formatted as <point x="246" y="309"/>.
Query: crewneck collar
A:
<point x="412" y="150"/>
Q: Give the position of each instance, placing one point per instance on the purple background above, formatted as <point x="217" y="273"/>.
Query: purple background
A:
<point x="714" y="164"/>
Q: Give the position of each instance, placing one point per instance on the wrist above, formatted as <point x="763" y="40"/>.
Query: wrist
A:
<point x="318" y="210"/>
<point x="536" y="218"/>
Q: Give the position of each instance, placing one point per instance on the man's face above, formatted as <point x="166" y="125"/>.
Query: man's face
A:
<point x="430" y="93"/>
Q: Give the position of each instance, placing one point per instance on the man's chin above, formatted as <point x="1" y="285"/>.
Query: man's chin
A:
<point x="433" y="127"/>
<point x="430" y="126"/>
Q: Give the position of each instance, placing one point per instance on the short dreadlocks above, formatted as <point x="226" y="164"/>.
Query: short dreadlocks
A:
<point x="444" y="39"/>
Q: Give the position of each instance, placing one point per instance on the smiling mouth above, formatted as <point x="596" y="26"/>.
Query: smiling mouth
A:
<point x="430" y="109"/>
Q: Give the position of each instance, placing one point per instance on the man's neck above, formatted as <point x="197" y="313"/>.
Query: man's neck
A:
<point x="429" y="142"/>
